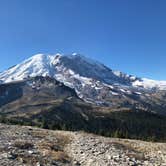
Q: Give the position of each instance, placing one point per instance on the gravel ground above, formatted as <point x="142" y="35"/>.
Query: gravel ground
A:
<point x="91" y="150"/>
<point x="28" y="146"/>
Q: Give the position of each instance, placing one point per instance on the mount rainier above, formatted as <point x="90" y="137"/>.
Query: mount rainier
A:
<point x="73" y="92"/>
<point x="92" y="81"/>
<point x="75" y="66"/>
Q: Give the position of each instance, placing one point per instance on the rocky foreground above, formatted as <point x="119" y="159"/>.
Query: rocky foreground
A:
<point x="39" y="147"/>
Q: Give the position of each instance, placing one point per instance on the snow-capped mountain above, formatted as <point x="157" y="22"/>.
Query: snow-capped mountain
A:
<point x="92" y="81"/>
<point x="58" y="66"/>
<point x="75" y="66"/>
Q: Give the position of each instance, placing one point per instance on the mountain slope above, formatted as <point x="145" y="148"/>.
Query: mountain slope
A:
<point x="33" y="95"/>
<point x="47" y="103"/>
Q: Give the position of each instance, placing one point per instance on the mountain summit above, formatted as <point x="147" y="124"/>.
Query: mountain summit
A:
<point x="74" y="66"/>
<point x="58" y="66"/>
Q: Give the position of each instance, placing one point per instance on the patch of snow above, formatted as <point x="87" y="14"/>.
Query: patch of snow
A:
<point x="149" y="84"/>
<point x="114" y="93"/>
<point x="71" y="72"/>
<point x="132" y="78"/>
<point x="117" y="73"/>
<point x="97" y="88"/>
<point x="110" y="86"/>
<point x="122" y="90"/>
<point x="129" y="92"/>
<point x="138" y="93"/>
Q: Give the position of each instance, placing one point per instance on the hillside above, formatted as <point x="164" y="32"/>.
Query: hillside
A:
<point x="48" y="103"/>
<point x="36" y="147"/>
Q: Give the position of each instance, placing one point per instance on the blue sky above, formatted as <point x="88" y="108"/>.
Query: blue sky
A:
<point x="128" y="35"/>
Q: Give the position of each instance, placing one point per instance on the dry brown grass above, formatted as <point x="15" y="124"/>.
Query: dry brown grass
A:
<point x="55" y="148"/>
<point x="130" y="150"/>
<point x="40" y="134"/>
<point x="28" y="160"/>
<point x="23" y="145"/>
<point x="60" y="156"/>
